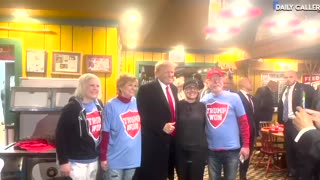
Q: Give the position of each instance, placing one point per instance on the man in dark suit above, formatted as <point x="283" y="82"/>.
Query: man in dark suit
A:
<point x="249" y="105"/>
<point x="157" y="102"/>
<point x="295" y="94"/>
<point x="316" y="99"/>
<point x="228" y="84"/>
<point x="265" y="102"/>
<point x="307" y="123"/>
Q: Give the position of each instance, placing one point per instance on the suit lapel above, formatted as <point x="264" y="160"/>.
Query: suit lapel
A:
<point x="163" y="99"/>
<point x="247" y="102"/>
<point x="296" y="97"/>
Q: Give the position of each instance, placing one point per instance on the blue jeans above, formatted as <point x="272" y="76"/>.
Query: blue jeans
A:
<point x="229" y="160"/>
<point x="119" y="174"/>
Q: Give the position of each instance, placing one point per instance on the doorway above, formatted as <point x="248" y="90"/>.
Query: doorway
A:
<point x="7" y="81"/>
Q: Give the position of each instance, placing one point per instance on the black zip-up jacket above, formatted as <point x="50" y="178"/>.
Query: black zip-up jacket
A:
<point x="72" y="138"/>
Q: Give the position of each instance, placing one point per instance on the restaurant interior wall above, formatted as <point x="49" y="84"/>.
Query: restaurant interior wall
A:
<point x="275" y="65"/>
<point x="87" y="39"/>
<point x="129" y="59"/>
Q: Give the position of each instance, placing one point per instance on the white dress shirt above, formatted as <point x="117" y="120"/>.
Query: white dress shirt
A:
<point x="291" y="114"/>
<point x="164" y="90"/>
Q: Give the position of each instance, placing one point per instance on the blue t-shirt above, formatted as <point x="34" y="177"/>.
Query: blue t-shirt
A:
<point x="222" y="127"/>
<point x="94" y="121"/>
<point x="89" y="107"/>
<point x="123" y="123"/>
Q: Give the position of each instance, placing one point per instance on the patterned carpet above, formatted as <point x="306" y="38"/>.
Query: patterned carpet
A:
<point x="255" y="174"/>
<point x="259" y="174"/>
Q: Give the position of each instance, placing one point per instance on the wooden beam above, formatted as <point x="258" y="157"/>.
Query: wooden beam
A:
<point x="27" y="30"/>
<point x="280" y="45"/>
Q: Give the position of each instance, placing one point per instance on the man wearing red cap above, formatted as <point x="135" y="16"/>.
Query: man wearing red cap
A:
<point x="226" y="122"/>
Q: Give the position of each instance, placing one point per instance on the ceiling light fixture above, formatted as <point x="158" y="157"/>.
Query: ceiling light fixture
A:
<point x="131" y="19"/>
<point x="310" y="27"/>
<point x="222" y="30"/>
<point x="132" y="45"/>
<point x="282" y="23"/>
<point x="179" y="48"/>
<point x="131" y="24"/>
<point x="20" y="13"/>
<point x="240" y="9"/>
<point x="221" y="33"/>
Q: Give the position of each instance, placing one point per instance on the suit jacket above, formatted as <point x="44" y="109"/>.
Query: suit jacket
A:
<point x="250" y="115"/>
<point x="297" y="98"/>
<point x="316" y="100"/>
<point x="309" y="143"/>
<point x="264" y="104"/>
<point x="154" y="112"/>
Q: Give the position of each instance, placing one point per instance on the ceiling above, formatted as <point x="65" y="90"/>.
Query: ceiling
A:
<point x="165" y="23"/>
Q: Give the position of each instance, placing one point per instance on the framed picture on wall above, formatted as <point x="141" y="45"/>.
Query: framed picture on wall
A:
<point x="66" y="63"/>
<point x="7" y="52"/>
<point x="36" y="61"/>
<point x="99" y="63"/>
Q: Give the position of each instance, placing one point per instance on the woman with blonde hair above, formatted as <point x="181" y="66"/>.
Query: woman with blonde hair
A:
<point x="78" y="131"/>
<point x="120" y="150"/>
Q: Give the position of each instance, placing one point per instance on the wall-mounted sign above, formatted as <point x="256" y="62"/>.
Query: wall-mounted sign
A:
<point x="66" y="63"/>
<point x="7" y="52"/>
<point x="36" y="61"/>
<point x="99" y="63"/>
<point x="313" y="80"/>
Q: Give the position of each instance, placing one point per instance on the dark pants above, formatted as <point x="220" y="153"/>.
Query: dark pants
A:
<point x="243" y="168"/>
<point x="190" y="163"/>
<point x="299" y="165"/>
<point x="154" y="159"/>
<point x="172" y="161"/>
<point x="289" y="134"/>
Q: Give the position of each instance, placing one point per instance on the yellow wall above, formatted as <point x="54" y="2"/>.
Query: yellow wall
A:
<point x="130" y="58"/>
<point x="85" y="39"/>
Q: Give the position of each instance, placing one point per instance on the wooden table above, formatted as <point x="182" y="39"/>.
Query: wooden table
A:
<point x="275" y="130"/>
<point x="278" y="134"/>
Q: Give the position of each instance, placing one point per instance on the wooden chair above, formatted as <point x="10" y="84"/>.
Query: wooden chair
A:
<point x="272" y="154"/>
<point x="257" y="145"/>
<point x="265" y="124"/>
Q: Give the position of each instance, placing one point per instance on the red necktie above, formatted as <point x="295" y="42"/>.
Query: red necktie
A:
<point x="250" y="100"/>
<point x="170" y="100"/>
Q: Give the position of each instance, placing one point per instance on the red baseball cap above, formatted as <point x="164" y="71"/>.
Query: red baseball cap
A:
<point x="213" y="72"/>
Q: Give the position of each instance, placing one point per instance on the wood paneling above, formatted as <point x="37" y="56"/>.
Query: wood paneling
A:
<point x="71" y="38"/>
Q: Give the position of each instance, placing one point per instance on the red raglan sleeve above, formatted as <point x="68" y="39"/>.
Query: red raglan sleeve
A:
<point x="104" y="146"/>
<point x="244" y="130"/>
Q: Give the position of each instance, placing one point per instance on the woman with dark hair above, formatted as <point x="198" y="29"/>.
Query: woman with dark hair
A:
<point x="191" y="145"/>
<point x="197" y="77"/>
